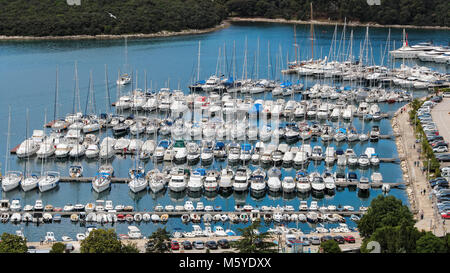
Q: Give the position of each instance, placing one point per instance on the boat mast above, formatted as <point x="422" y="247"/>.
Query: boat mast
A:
<point x="312" y="33"/>
<point x="55" y="112"/>
<point x="108" y="100"/>
<point x="257" y="59"/>
<point x="28" y="145"/>
<point x="7" y="140"/>
<point x="198" y="61"/>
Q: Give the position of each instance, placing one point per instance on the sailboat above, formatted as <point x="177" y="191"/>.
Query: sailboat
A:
<point x="50" y="179"/>
<point x="124" y="78"/>
<point x="78" y="149"/>
<point x="12" y="179"/>
<point x="138" y="181"/>
<point x="31" y="180"/>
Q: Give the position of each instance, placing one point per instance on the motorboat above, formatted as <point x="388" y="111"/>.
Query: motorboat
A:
<point x="211" y="180"/>
<point x="303" y="184"/>
<point x="363" y="160"/>
<point x="363" y="184"/>
<point x="317" y="183"/>
<point x="62" y="150"/>
<point x="177" y="181"/>
<point x="75" y="171"/>
<point x="226" y="178"/>
<point x="288" y="184"/>
<point x="376" y="177"/>
<point x="196" y="180"/>
<point x="328" y="179"/>
<point x="241" y="177"/>
<point x="15" y="205"/>
<point x="134" y="232"/>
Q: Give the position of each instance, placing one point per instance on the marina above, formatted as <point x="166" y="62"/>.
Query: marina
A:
<point x="270" y="134"/>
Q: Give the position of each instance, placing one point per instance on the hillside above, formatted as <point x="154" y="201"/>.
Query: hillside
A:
<point x="93" y="17"/>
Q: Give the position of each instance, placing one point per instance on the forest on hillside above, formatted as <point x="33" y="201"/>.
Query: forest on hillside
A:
<point x="93" y="17"/>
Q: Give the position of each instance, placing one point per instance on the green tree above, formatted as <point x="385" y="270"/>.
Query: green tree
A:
<point x="130" y="248"/>
<point x="384" y="211"/>
<point x="429" y="243"/>
<point x="330" y="246"/>
<point x="158" y="239"/>
<point x="13" y="244"/>
<point x="58" y="248"/>
<point x="254" y="242"/>
<point x="101" y="241"/>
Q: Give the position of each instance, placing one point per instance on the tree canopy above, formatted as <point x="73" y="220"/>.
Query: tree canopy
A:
<point x="58" y="248"/>
<point x="11" y="243"/>
<point x="105" y="241"/>
<point x="157" y="241"/>
<point x="94" y="17"/>
<point x="254" y="242"/>
<point x="430" y="244"/>
<point x="384" y="211"/>
<point x="330" y="246"/>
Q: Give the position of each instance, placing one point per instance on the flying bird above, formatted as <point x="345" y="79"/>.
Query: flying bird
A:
<point x="111" y="15"/>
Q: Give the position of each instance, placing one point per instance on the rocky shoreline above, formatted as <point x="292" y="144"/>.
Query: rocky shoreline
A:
<point x="318" y="22"/>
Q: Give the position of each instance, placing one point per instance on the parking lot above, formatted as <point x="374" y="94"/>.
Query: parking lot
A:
<point x="441" y="116"/>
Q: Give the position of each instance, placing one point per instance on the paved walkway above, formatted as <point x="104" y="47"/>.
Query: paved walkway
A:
<point x="421" y="203"/>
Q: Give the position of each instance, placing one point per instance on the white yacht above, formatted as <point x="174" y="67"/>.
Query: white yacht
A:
<point x="30" y="182"/>
<point x="177" y="181"/>
<point x="226" y="178"/>
<point x="11" y="180"/>
<point x="302" y="182"/>
<point x="138" y="183"/>
<point x="288" y="184"/>
<point x="196" y="180"/>
<point x="241" y="179"/>
<point x="317" y="183"/>
<point x="101" y="182"/>
<point x="48" y="181"/>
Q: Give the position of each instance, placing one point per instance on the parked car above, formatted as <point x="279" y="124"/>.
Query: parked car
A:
<point x="199" y="245"/>
<point x="305" y="240"/>
<point x="211" y="245"/>
<point x="326" y="238"/>
<point x="349" y="239"/>
<point x="314" y="240"/>
<point x="339" y="239"/>
<point x="440" y="149"/>
<point x="445" y="215"/>
<point x="175" y="245"/>
<point x="223" y="243"/>
<point x="187" y="245"/>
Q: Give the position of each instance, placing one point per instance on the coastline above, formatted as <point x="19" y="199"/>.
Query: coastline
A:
<point x="163" y="33"/>
<point x="224" y="24"/>
<point x="319" y="22"/>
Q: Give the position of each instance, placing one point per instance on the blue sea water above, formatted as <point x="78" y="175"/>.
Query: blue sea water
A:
<point x="27" y="74"/>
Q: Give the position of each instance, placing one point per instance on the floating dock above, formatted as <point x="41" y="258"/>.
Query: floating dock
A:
<point x="200" y="213"/>
<point x="124" y="180"/>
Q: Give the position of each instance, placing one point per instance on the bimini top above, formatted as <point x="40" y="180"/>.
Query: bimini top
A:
<point x="246" y="147"/>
